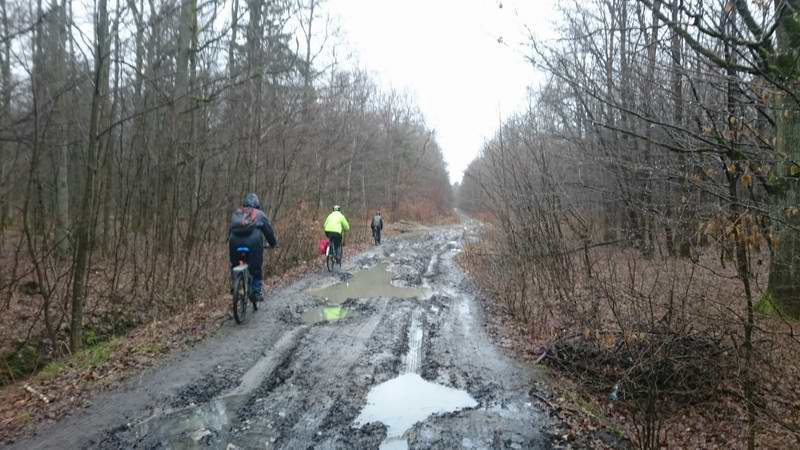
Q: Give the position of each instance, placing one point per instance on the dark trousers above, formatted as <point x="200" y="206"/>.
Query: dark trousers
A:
<point x="336" y="240"/>
<point x="254" y="258"/>
<point x="376" y="232"/>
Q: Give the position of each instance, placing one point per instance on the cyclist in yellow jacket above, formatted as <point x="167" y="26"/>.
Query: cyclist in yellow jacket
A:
<point x="335" y="227"/>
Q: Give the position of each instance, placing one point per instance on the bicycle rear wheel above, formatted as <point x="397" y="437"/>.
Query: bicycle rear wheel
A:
<point x="330" y="260"/>
<point x="240" y="294"/>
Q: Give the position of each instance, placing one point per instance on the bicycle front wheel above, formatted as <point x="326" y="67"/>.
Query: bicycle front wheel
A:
<point x="240" y="293"/>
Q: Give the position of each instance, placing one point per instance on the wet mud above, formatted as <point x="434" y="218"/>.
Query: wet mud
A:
<point x="390" y="353"/>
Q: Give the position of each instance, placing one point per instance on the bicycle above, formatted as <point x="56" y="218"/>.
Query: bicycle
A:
<point x="331" y="259"/>
<point x="240" y="279"/>
<point x="376" y="235"/>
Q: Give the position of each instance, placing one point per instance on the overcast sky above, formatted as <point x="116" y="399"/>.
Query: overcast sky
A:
<point x="446" y="53"/>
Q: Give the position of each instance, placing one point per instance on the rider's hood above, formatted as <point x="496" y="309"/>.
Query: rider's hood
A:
<point x="251" y="201"/>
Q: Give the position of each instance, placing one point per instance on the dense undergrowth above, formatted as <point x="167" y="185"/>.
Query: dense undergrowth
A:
<point x="653" y="344"/>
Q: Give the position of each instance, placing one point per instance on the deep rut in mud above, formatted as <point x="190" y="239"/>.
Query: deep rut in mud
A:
<point x="389" y="354"/>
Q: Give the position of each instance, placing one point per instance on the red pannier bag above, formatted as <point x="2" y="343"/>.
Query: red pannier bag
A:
<point x="323" y="246"/>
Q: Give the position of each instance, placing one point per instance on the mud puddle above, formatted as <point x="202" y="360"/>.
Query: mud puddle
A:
<point x="327" y="313"/>
<point x="403" y="401"/>
<point x="191" y="427"/>
<point x="375" y="282"/>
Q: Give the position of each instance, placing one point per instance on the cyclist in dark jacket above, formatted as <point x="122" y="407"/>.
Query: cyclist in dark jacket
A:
<point x="249" y="228"/>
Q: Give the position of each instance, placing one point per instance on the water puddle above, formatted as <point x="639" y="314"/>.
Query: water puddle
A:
<point x="328" y="313"/>
<point x="375" y="282"/>
<point x="403" y="401"/>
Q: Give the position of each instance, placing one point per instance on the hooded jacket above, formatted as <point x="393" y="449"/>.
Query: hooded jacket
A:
<point x="251" y="205"/>
<point x="336" y="223"/>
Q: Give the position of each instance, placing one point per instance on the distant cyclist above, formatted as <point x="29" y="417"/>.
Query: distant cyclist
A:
<point x="335" y="227"/>
<point x="377" y="226"/>
<point x="249" y="228"/>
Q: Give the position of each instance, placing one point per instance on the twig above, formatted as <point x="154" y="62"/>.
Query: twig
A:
<point x="563" y="407"/>
<point x="36" y="393"/>
<point x="545" y="401"/>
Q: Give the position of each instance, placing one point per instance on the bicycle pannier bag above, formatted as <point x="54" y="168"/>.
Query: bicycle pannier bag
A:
<point x="323" y="246"/>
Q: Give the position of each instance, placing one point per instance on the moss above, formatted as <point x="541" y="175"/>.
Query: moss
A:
<point x="90" y="338"/>
<point x="19" y="364"/>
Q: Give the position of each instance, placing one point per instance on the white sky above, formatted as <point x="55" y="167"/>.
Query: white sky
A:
<point x="446" y="53"/>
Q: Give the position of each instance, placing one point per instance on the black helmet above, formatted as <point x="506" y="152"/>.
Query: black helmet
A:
<point x="337" y="208"/>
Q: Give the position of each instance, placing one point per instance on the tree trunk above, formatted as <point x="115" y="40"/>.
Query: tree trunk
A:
<point x="255" y="64"/>
<point x="83" y="238"/>
<point x="784" y="276"/>
<point x="52" y="77"/>
<point x="5" y="116"/>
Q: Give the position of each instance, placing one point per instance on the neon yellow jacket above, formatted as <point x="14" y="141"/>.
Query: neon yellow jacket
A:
<point x="336" y="223"/>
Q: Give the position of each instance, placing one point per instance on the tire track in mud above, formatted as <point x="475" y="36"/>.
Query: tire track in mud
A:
<point x="207" y="419"/>
<point x="337" y="367"/>
<point x="461" y="355"/>
<point x="413" y="359"/>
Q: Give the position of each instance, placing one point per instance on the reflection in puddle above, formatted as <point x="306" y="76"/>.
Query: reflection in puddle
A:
<point x="326" y="314"/>
<point x="187" y="428"/>
<point x="403" y="401"/>
<point x="375" y="282"/>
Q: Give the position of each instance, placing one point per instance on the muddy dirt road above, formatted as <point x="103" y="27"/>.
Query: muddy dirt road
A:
<point x="388" y="353"/>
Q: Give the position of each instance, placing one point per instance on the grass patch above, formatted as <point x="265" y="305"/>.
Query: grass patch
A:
<point x="765" y="305"/>
<point x="152" y="348"/>
<point x="25" y="417"/>
<point x="86" y="359"/>
<point x="52" y="370"/>
<point x="768" y="307"/>
<point x="585" y="405"/>
<point x="96" y="355"/>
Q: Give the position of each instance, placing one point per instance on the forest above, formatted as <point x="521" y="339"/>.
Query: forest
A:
<point x="638" y="222"/>
<point x="645" y="216"/>
<point x="129" y="132"/>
